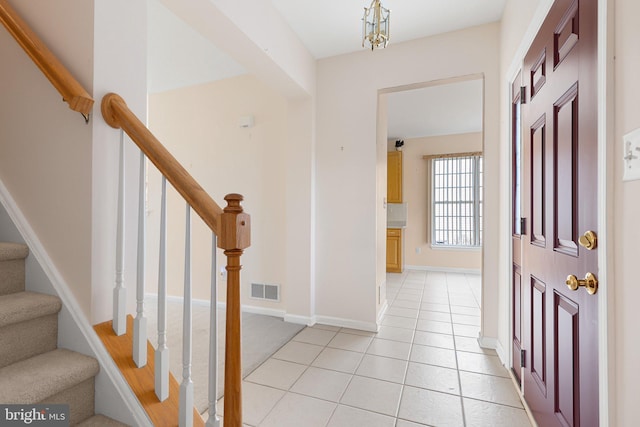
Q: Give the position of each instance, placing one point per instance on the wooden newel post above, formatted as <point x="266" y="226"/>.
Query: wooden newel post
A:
<point x="235" y="236"/>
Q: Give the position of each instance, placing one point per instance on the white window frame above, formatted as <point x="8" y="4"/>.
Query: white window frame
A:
<point x="455" y="222"/>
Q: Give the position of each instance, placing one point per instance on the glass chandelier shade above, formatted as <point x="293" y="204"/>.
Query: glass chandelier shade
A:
<point x="375" y="26"/>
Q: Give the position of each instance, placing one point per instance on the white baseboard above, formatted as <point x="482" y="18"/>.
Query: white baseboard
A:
<point x="493" y="344"/>
<point x="63" y="291"/>
<point x="444" y="269"/>
<point x="487" y="342"/>
<point x="501" y="353"/>
<point x="223" y="305"/>
<point x="299" y="320"/>
<point x="292" y="318"/>
<point x="383" y="311"/>
<point x="347" y="323"/>
<point x="261" y="310"/>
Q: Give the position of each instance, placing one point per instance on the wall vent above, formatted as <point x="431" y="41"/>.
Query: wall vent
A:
<point x="266" y="292"/>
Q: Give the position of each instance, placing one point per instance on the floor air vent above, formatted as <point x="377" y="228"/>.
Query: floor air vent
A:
<point x="267" y="292"/>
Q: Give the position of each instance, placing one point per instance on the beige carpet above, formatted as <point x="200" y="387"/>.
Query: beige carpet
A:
<point x="261" y="337"/>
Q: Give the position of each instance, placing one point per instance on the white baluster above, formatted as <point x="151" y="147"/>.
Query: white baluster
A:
<point x="186" y="388"/>
<point x="214" y="420"/>
<point x="140" y="322"/>
<point x="162" y="352"/>
<point x="119" y="292"/>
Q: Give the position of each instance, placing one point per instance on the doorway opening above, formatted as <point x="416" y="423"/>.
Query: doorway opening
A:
<point x="430" y="148"/>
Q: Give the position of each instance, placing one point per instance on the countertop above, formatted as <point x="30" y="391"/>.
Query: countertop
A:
<point x="396" y="224"/>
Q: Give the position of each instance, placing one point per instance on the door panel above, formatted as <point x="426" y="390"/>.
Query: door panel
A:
<point x="566" y="312"/>
<point x="517" y="321"/>
<point x="559" y="192"/>
<point x="538" y="332"/>
<point x="538" y="182"/>
<point x="565" y="172"/>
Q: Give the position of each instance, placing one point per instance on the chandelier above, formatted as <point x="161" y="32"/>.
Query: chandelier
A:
<point x="375" y="26"/>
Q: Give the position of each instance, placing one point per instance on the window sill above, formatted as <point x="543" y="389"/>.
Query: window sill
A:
<point x="456" y="248"/>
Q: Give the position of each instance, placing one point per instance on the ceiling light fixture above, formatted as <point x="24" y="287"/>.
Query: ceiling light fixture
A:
<point x="375" y="26"/>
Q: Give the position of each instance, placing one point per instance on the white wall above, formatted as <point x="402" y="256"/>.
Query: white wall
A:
<point x="120" y="59"/>
<point x="260" y="41"/>
<point x="300" y="233"/>
<point x="199" y="125"/>
<point x="416" y="191"/>
<point x="347" y="94"/>
<point x="269" y="50"/>
<point x="45" y="148"/>
<point x="382" y="133"/>
<point x="61" y="171"/>
<point x="49" y="165"/>
<point x="626" y="205"/>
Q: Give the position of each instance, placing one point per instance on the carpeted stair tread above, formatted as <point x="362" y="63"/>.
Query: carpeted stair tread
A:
<point x="33" y="380"/>
<point x="101" y="421"/>
<point x="22" y="306"/>
<point x="9" y="251"/>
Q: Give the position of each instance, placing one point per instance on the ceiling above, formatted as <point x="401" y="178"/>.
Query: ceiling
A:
<point x="333" y="27"/>
<point x="435" y="110"/>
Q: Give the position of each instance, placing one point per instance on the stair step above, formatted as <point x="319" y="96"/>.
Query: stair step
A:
<point x="22" y="306"/>
<point x="12" y="257"/>
<point x="28" y="325"/>
<point x="101" y="421"/>
<point x="10" y="251"/>
<point x="41" y="377"/>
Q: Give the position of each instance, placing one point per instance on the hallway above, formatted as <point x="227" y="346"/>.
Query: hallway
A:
<point x="423" y="368"/>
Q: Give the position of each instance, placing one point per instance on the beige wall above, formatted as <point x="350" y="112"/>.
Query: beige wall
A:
<point x="415" y="193"/>
<point x="200" y="126"/>
<point x="45" y="148"/>
<point x="347" y="161"/>
<point x="381" y="208"/>
<point x="626" y="234"/>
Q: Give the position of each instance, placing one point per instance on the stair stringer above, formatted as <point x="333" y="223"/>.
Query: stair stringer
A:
<point x="74" y="330"/>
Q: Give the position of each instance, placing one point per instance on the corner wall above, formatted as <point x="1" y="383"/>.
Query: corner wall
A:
<point x="120" y="61"/>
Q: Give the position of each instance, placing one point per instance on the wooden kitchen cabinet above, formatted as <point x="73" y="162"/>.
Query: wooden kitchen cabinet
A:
<point x="394" y="177"/>
<point x="394" y="250"/>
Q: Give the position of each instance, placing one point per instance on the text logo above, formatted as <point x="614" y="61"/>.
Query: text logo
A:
<point x="34" y="415"/>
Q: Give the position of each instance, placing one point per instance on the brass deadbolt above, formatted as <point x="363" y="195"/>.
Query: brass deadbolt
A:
<point x="589" y="240"/>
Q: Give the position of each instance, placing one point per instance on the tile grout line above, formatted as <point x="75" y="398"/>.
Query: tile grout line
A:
<point x="406" y="369"/>
<point x="455" y="352"/>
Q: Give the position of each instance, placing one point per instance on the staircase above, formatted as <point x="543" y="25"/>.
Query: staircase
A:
<point x="32" y="369"/>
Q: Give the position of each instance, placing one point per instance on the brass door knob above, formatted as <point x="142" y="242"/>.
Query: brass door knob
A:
<point x="589" y="240"/>
<point x="590" y="282"/>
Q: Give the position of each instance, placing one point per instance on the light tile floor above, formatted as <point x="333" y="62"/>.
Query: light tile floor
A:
<point x="424" y="367"/>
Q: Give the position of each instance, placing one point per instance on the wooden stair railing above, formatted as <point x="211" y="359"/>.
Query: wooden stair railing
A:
<point x="72" y="92"/>
<point x="231" y="225"/>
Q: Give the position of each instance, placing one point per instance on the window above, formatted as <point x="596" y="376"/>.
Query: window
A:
<point x="457" y="201"/>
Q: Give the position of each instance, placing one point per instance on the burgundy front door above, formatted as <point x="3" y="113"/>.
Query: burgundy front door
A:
<point x="559" y="190"/>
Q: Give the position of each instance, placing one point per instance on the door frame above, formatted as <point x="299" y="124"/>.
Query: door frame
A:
<point x="605" y="183"/>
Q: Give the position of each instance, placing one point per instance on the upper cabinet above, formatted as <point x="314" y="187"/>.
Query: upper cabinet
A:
<point x="394" y="177"/>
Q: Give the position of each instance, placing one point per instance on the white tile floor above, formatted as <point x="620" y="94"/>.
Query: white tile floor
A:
<point x="423" y="368"/>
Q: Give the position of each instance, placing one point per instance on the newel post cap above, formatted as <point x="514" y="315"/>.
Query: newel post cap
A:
<point x="235" y="231"/>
